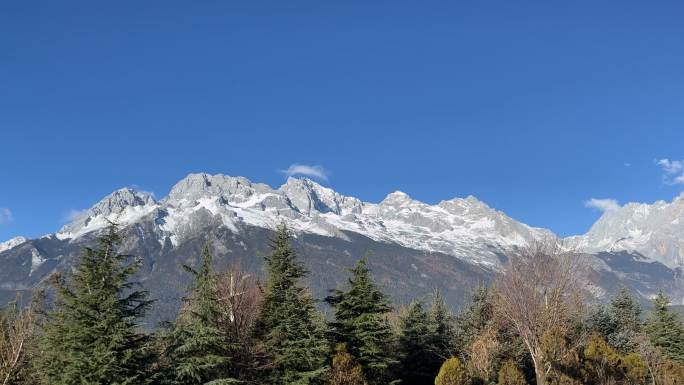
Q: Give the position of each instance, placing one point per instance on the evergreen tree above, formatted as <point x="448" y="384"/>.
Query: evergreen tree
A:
<point x="626" y="315"/>
<point x="471" y="321"/>
<point x="419" y="363"/>
<point x="665" y="329"/>
<point x="290" y="328"/>
<point x="360" y="322"/>
<point x="92" y="336"/>
<point x="444" y="333"/>
<point x="619" y="323"/>
<point x="199" y="351"/>
<point x="626" y="311"/>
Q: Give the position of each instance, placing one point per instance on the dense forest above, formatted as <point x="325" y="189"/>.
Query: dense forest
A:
<point x="535" y="325"/>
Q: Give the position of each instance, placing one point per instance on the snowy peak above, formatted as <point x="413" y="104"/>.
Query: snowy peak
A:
<point x="463" y="227"/>
<point x="123" y="206"/>
<point x="14" y="242"/>
<point x="308" y="197"/>
<point x="119" y="200"/>
<point x="655" y="230"/>
<point x="202" y="186"/>
<point x="397" y="198"/>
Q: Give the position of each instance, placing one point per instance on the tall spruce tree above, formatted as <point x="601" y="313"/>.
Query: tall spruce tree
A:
<point x="619" y="323"/>
<point x="473" y="319"/>
<point x="290" y="329"/>
<point x="92" y="336"/>
<point x="199" y="351"/>
<point x="360" y="322"/>
<point x="419" y="361"/>
<point x="665" y="329"/>
<point x="444" y="332"/>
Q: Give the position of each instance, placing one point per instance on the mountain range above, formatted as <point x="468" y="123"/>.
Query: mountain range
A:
<point x="414" y="247"/>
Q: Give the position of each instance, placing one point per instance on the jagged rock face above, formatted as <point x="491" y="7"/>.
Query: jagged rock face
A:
<point x="123" y="206"/>
<point x="453" y="245"/>
<point x="465" y="228"/>
<point x="656" y="231"/>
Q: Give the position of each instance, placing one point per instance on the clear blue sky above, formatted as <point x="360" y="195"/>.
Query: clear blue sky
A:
<point x="533" y="107"/>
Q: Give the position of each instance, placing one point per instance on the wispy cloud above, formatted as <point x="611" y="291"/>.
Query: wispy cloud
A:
<point x="673" y="169"/>
<point x="5" y="215"/>
<point x="72" y="214"/>
<point x="306" y="170"/>
<point x="603" y="205"/>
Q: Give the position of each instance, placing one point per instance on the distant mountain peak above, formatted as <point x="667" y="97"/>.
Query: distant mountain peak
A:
<point x="14" y="242"/>
<point x="655" y="230"/>
<point x="397" y="198"/>
<point x="122" y="207"/>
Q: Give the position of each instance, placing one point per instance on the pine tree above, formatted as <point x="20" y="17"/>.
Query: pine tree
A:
<point x="419" y="363"/>
<point x="626" y="311"/>
<point x="444" y="333"/>
<point x="626" y="315"/>
<point x="360" y="322"/>
<point x="619" y="323"/>
<point x="665" y="329"/>
<point x="290" y="328"/>
<point x="92" y="336"/>
<point x="199" y="352"/>
<point x="471" y="321"/>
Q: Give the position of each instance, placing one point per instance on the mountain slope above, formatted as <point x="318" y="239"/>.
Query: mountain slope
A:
<point x="655" y="230"/>
<point x="453" y="245"/>
<point x="465" y="228"/>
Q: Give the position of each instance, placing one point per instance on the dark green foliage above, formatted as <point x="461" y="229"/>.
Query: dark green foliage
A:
<point x="198" y="350"/>
<point x="360" y="322"/>
<point x="471" y="321"/>
<point x="666" y="329"/>
<point x="419" y="359"/>
<point x="92" y="336"/>
<point x="290" y="328"/>
<point x="618" y="323"/>
<point x="444" y="331"/>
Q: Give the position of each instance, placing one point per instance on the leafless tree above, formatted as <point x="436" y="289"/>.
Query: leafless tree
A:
<point x="240" y="295"/>
<point x="482" y="352"/>
<point x="541" y="292"/>
<point x="17" y="329"/>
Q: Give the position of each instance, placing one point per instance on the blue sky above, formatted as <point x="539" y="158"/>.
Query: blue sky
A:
<point x="533" y="107"/>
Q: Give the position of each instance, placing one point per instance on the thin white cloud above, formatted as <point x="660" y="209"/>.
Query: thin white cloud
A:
<point x="603" y="205"/>
<point x="306" y="170"/>
<point x="5" y="215"/>
<point x="72" y="214"/>
<point x="673" y="169"/>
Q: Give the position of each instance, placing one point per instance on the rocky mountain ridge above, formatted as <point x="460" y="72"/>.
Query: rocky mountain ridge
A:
<point x="451" y="245"/>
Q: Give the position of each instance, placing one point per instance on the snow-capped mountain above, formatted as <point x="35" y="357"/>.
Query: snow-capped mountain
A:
<point x="453" y="245"/>
<point x="465" y="228"/>
<point x="14" y="242"/>
<point x="654" y="230"/>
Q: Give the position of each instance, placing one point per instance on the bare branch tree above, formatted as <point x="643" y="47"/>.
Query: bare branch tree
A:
<point x="541" y="292"/>
<point x="240" y="295"/>
<point x="17" y="327"/>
